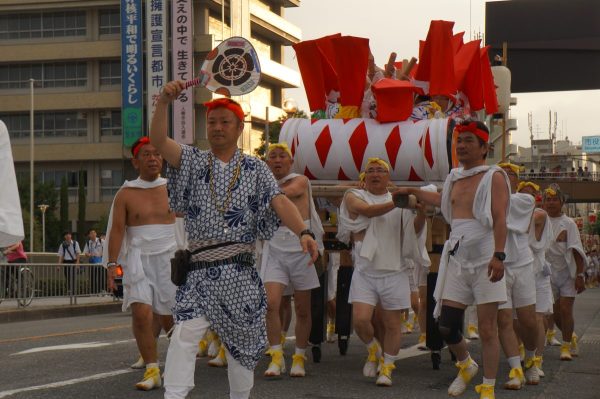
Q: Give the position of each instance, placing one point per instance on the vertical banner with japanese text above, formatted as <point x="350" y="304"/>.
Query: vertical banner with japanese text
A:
<point x="157" y="54"/>
<point x="131" y="71"/>
<point x="183" y="69"/>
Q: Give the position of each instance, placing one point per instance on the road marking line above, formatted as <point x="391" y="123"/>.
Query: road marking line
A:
<point x="82" y="345"/>
<point x="38" y="337"/>
<point x="59" y="384"/>
<point x="411" y="351"/>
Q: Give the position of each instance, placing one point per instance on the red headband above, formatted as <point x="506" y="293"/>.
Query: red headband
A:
<point x="135" y="148"/>
<point x="227" y="103"/>
<point x="472" y="128"/>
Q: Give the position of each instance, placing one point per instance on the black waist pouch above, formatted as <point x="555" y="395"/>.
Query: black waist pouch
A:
<point x="180" y="266"/>
<point x="181" y="262"/>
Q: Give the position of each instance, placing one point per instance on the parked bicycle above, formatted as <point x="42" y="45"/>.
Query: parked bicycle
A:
<point x="16" y="281"/>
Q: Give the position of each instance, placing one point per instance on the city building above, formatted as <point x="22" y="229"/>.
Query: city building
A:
<point x="72" y="48"/>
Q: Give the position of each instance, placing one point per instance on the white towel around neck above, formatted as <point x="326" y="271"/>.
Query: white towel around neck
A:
<point x="137" y="183"/>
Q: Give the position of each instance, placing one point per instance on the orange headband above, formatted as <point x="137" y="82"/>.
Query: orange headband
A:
<point x="472" y="127"/>
<point x="142" y="141"/>
<point x="227" y="103"/>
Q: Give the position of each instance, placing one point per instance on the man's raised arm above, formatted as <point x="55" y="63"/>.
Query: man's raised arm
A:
<point x="428" y="197"/>
<point x="167" y="147"/>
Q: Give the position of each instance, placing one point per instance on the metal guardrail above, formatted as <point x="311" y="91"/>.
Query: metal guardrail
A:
<point x="26" y="282"/>
<point x="563" y="176"/>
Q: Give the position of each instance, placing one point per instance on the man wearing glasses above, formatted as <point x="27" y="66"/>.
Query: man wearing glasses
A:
<point x="383" y="236"/>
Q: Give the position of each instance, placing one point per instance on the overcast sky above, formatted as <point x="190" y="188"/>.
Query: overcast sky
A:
<point x="398" y="25"/>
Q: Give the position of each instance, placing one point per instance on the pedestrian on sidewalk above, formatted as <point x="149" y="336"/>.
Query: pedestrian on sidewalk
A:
<point x="68" y="255"/>
<point x="93" y="250"/>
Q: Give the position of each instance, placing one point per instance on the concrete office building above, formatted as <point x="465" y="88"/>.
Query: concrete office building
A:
<point x="72" y="48"/>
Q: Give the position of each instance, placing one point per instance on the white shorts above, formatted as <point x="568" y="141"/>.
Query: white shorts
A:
<point x="420" y="275"/>
<point x="411" y="280"/>
<point x="156" y="288"/>
<point x="472" y="286"/>
<point x="562" y="284"/>
<point x="544" y="301"/>
<point x="290" y="268"/>
<point x="392" y="291"/>
<point x="332" y="275"/>
<point x="520" y="287"/>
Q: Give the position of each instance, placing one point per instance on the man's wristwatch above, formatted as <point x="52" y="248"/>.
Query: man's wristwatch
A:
<point x="500" y="256"/>
<point x="582" y="275"/>
<point x="111" y="264"/>
<point x="307" y="232"/>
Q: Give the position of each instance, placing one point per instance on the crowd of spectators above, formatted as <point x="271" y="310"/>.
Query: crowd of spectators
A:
<point x="558" y="173"/>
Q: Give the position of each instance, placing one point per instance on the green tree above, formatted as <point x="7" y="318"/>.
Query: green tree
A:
<point x="81" y="199"/>
<point x="275" y="129"/>
<point x="37" y="232"/>
<point x="44" y="193"/>
<point x="64" y="205"/>
<point x="101" y="225"/>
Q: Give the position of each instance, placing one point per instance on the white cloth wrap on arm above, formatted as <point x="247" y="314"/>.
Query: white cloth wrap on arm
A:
<point x="393" y="231"/>
<point x="518" y="251"/>
<point x="346" y="225"/>
<point x="153" y="239"/>
<point x="560" y="254"/>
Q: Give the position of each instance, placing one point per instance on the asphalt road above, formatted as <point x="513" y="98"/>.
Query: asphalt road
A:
<point x="89" y="357"/>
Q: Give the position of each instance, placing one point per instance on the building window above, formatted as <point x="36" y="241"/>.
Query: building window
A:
<point x="110" y="21"/>
<point x="58" y="74"/>
<point x="110" y="123"/>
<point x="42" y="25"/>
<point x="56" y="177"/>
<point x="110" y="73"/>
<point x="47" y="124"/>
<point x="110" y="182"/>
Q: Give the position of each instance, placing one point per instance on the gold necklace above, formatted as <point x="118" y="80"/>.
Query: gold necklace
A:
<point x="213" y="195"/>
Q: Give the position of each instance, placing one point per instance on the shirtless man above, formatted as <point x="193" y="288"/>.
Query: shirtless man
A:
<point x="568" y="262"/>
<point x="285" y="263"/>
<point x="141" y="236"/>
<point x="520" y="286"/>
<point x="383" y="237"/>
<point x="471" y="268"/>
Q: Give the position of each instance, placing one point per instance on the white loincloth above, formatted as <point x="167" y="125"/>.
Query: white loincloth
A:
<point x="11" y="219"/>
<point x="147" y="268"/>
<point x="476" y="236"/>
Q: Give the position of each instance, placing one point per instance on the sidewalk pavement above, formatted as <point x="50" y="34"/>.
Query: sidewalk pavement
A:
<point x="49" y="308"/>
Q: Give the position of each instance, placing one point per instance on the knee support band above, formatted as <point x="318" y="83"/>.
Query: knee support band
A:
<point x="450" y="324"/>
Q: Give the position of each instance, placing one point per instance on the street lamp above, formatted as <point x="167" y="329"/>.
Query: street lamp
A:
<point x="31" y="140"/>
<point x="290" y="106"/>
<point x="43" y="208"/>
